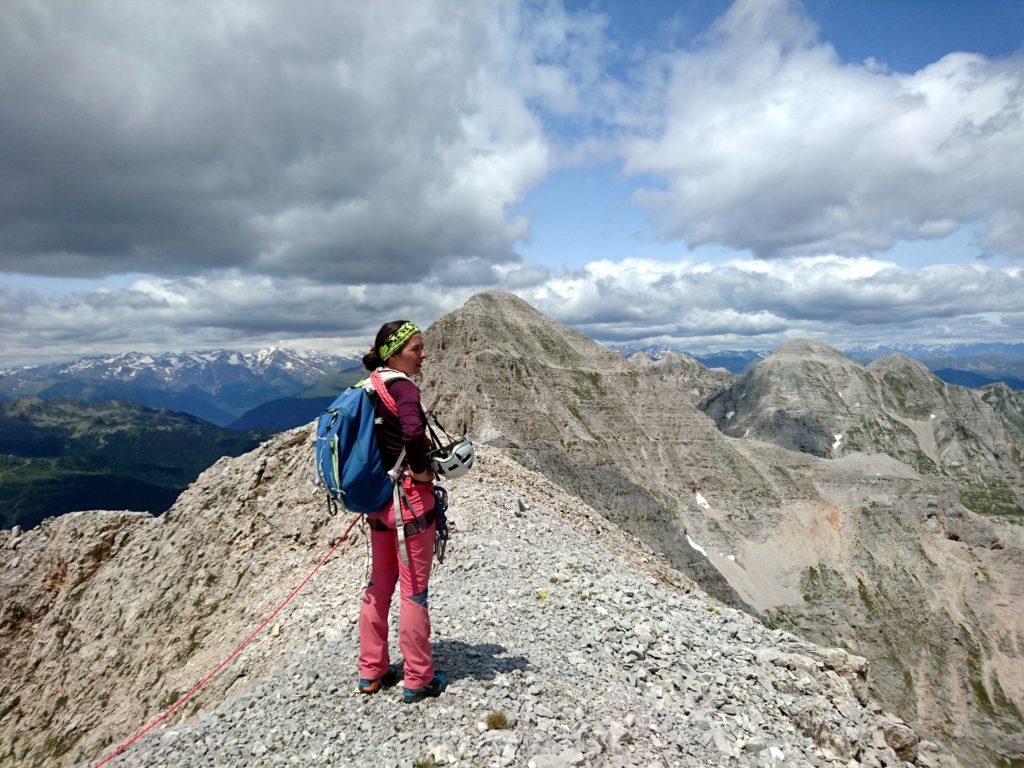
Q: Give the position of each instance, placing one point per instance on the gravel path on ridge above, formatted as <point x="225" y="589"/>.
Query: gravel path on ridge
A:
<point x="594" y="650"/>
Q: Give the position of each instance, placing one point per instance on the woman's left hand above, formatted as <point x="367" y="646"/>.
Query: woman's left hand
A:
<point x="426" y="476"/>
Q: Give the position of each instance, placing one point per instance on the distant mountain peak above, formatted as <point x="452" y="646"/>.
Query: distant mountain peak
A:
<point x="674" y="356"/>
<point x="998" y="386"/>
<point x="218" y="385"/>
<point x="501" y="298"/>
<point x="496" y="320"/>
<point x="898" y="362"/>
<point x="895" y="406"/>
<point x="807" y="348"/>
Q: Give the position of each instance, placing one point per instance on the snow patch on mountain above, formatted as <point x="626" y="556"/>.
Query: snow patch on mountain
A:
<point x="174" y="366"/>
<point x="696" y="546"/>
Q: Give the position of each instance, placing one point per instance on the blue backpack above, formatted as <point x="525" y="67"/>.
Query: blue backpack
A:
<point x="348" y="462"/>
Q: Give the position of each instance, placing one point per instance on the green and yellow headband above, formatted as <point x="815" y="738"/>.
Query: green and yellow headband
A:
<point x="397" y="340"/>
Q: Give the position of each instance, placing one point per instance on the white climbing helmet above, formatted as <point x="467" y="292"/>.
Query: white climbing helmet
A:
<point x="453" y="460"/>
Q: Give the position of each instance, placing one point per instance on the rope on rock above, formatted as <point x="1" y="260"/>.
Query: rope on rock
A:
<point x="232" y="655"/>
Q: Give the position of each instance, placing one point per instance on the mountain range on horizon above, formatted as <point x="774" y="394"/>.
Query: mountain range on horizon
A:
<point x="275" y="388"/>
<point x="975" y="364"/>
<point x="871" y="508"/>
<point x="219" y="386"/>
<point x="180" y="364"/>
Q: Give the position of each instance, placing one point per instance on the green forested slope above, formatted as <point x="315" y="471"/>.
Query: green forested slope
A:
<point x="62" y="455"/>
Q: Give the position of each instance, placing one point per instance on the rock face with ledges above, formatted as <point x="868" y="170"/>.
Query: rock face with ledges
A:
<point x="768" y="520"/>
<point x="550" y="596"/>
<point x="694" y="381"/>
<point x="622" y="435"/>
<point x="969" y="440"/>
<point x="810" y="398"/>
<point x="540" y="599"/>
<point x="1009" y="407"/>
<point x="888" y="563"/>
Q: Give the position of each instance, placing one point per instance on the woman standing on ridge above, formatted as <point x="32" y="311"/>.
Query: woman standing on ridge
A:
<point x="397" y="354"/>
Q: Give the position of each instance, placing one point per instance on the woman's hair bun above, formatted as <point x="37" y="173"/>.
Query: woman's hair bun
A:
<point x="372" y="361"/>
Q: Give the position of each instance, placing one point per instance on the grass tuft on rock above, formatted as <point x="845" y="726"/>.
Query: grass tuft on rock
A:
<point x="496" y="721"/>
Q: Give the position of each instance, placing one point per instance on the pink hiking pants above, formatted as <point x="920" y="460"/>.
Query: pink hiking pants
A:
<point x="413" y="615"/>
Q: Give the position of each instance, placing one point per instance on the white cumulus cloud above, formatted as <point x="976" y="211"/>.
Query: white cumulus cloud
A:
<point x="765" y="140"/>
<point x="838" y="299"/>
<point x="741" y="303"/>
<point x="344" y="141"/>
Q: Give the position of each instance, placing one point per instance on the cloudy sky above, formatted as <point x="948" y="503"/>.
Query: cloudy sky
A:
<point x="184" y="175"/>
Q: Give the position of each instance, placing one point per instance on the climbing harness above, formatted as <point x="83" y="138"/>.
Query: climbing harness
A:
<point x="367" y="558"/>
<point x="399" y="497"/>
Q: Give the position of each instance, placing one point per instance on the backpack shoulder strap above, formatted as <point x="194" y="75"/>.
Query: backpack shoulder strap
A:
<point x="390" y="374"/>
<point x="379" y="377"/>
<point x="378" y="385"/>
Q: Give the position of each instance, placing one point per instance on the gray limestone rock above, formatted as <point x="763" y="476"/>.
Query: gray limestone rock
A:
<point x="903" y="740"/>
<point x="844" y="546"/>
<point x="625" y="488"/>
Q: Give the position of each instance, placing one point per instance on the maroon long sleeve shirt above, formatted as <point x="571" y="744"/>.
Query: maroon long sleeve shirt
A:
<point x="407" y="430"/>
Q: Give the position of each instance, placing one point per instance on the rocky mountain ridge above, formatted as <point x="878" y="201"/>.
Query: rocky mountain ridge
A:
<point x="861" y="551"/>
<point x="107" y="617"/>
<point x="809" y="397"/>
<point x="216" y="385"/>
<point x="730" y="360"/>
<point x="686" y="370"/>
<point x="865" y="551"/>
<point x="968" y="364"/>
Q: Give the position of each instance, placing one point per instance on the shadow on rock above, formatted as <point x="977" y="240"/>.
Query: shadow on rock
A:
<point x="480" y="662"/>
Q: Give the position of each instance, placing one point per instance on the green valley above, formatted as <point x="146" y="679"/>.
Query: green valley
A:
<point x="62" y="455"/>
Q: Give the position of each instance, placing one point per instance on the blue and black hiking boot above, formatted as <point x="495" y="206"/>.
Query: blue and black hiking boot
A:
<point x="432" y="689"/>
<point x="387" y="680"/>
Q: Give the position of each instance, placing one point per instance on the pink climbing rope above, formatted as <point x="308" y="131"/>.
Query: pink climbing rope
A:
<point x="234" y="653"/>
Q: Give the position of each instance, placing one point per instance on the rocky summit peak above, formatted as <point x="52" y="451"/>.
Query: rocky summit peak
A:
<point x="899" y="363"/>
<point x="499" y="323"/>
<point x="498" y="309"/>
<point x="806" y="348"/>
<point x="1000" y="387"/>
<point x="495" y="298"/>
<point x="675" y="358"/>
<point x="668" y="360"/>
